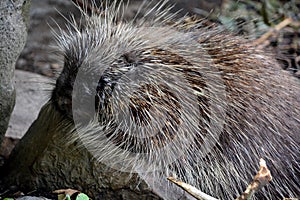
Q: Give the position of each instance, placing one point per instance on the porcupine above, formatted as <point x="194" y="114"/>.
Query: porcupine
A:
<point x="197" y="103"/>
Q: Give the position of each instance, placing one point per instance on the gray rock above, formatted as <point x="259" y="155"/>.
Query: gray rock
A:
<point x="46" y="159"/>
<point x="13" y="22"/>
<point x="33" y="91"/>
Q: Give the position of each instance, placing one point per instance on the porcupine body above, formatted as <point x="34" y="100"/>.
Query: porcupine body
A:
<point x="196" y="103"/>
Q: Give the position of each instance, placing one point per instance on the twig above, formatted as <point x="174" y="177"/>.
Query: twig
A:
<point x="262" y="178"/>
<point x="191" y="190"/>
<point x="278" y="27"/>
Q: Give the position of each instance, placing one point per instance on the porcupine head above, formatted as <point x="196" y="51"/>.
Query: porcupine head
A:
<point x="152" y="99"/>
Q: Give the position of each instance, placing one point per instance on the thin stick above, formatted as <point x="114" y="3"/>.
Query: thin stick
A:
<point x="278" y="27"/>
<point x="191" y="190"/>
<point x="262" y="178"/>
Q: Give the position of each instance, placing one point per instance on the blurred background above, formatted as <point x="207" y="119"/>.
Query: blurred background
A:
<point x="251" y="19"/>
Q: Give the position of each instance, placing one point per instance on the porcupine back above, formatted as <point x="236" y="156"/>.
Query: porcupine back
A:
<point x="200" y="104"/>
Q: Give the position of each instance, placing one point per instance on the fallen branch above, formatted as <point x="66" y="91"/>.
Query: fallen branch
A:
<point x="278" y="27"/>
<point x="262" y="178"/>
<point x="191" y="190"/>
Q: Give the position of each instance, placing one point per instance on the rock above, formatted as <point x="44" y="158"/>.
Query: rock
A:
<point x="33" y="91"/>
<point x="7" y="146"/>
<point x="297" y="74"/>
<point x="13" y="28"/>
<point x="46" y="159"/>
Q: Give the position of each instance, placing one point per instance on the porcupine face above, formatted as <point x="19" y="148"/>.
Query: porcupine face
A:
<point x="144" y="92"/>
<point x="200" y="105"/>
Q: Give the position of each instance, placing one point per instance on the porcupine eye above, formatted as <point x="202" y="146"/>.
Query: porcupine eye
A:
<point x="144" y="104"/>
<point x="107" y="83"/>
<point x="144" y="108"/>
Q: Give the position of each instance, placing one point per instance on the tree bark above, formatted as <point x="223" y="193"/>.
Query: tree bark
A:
<point x="13" y="27"/>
